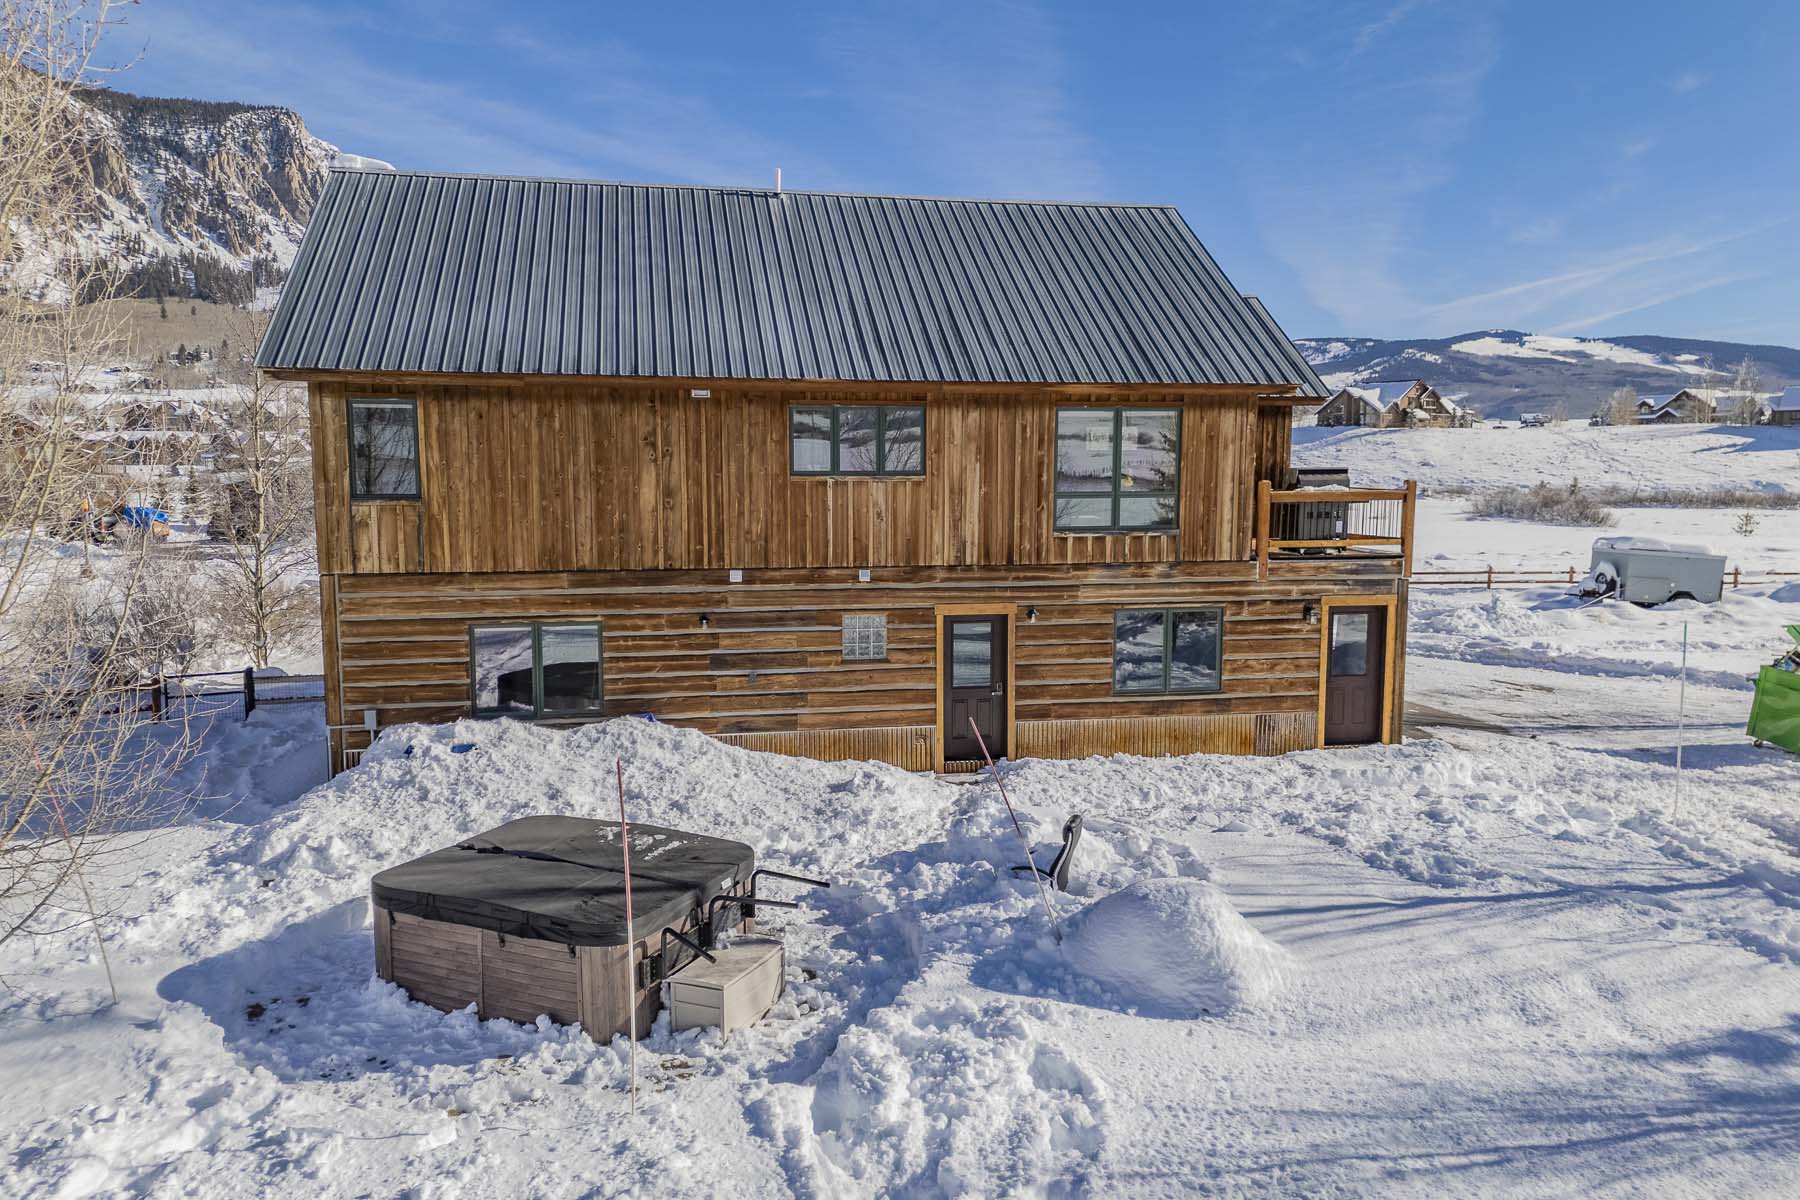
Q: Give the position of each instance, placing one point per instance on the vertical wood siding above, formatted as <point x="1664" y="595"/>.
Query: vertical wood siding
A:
<point x="598" y="477"/>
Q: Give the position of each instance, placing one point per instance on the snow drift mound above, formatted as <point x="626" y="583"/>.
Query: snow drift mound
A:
<point x="1176" y="948"/>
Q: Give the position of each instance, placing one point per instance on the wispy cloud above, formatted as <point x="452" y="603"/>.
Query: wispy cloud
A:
<point x="1341" y="210"/>
<point x="1372" y="31"/>
<point x="1592" y="321"/>
<point x="632" y="124"/>
<point x="1687" y="81"/>
<point x="976" y="93"/>
<point x="1637" y="147"/>
<point x="1532" y="296"/>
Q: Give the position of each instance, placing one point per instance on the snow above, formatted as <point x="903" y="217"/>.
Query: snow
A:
<point x="1761" y="457"/>
<point x="1516" y="955"/>
<point x="1176" y="948"/>
<point x="1564" y="349"/>
<point x="1383" y="394"/>
<point x="1788" y="401"/>
<point x="1649" y="543"/>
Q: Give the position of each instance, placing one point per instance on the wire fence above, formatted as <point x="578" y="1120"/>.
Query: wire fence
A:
<point x="219" y="691"/>
<point x="1490" y="577"/>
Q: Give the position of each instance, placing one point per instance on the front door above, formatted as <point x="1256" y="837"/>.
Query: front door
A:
<point x="975" y="658"/>
<point x="1355" y="675"/>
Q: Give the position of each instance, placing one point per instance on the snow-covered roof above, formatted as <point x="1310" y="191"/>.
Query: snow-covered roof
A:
<point x="1383" y="394"/>
<point x="1788" y="401"/>
<point x="1654" y="406"/>
<point x="1650" y="543"/>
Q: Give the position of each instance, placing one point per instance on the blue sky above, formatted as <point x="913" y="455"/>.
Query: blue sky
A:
<point x="1396" y="168"/>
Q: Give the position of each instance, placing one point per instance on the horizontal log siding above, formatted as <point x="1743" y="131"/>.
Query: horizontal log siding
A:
<point x="768" y="667"/>
<point x="600" y="477"/>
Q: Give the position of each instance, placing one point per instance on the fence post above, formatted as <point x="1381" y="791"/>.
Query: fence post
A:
<point x="1490" y="575"/>
<point x="156" y="698"/>
<point x="249" y="691"/>
<point x="1408" y="507"/>
<point x="1571" y="574"/>
<point x="1737" y="576"/>
<point x="1262" y="528"/>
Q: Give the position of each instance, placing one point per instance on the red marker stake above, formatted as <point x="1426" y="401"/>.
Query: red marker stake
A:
<point x="630" y="933"/>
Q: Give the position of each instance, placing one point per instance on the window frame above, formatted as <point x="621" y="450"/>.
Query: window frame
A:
<point x="836" y="469"/>
<point x="1116" y="493"/>
<point x="537" y="670"/>
<point x="411" y="404"/>
<point x="1168" y="650"/>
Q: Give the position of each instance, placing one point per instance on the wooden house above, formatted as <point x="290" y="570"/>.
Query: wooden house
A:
<point x="1393" y="404"/>
<point x="833" y="475"/>
<point x="1785" y="408"/>
<point x="1686" y="407"/>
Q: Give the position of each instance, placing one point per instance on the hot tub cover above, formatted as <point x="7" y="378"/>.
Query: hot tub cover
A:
<point x="562" y="879"/>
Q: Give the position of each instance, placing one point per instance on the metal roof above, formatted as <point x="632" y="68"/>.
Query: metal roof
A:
<point x="406" y="272"/>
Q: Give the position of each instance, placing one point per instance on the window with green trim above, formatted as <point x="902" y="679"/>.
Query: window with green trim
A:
<point x="1168" y="651"/>
<point x="856" y="439"/>
<point x="535" y="669"/>
<point x="1117" y="469"/>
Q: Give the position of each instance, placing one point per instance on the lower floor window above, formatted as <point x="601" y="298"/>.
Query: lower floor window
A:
<point x="1161" y="651"/>
<point x="536" y="670"/>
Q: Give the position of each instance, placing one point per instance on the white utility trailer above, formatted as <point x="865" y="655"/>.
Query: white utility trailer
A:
<point x="1652" y="571"/>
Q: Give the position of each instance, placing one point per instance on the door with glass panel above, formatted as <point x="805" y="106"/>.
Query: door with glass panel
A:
<point x="1355" y="674"/>
<point x="974" y="686"/>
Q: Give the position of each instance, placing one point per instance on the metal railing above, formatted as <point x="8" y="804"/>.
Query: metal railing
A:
<point x="1334" y="521"/>
<point x="1488" y="577"/>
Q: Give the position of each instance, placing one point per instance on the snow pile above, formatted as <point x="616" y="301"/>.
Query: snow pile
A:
<point x="1179" y="947"/>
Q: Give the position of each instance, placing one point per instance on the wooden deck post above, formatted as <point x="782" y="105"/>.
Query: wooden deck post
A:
<point x="1406" y="527"/>
<point x="1262" y="528"/>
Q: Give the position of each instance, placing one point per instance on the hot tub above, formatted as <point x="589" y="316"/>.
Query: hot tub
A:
<point x="529" y="918"/>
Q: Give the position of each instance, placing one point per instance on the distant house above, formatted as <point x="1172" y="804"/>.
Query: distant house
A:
<point x="1392" y="404"/>
<point x="1785" y="408"/>
<point x="1686" y="407"/>
<point x="1533" y="420"/>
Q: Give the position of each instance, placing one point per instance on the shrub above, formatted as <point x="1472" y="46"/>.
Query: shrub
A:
<point x="1548" y="504"/>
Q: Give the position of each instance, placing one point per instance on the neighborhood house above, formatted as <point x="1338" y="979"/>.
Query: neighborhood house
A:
<point x="1393" y="404"/>
<point x="845" y="476"/>
<point x="1686" y="407"/>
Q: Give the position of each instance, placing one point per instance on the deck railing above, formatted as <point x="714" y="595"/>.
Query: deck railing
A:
<point x="1335" y="521"/>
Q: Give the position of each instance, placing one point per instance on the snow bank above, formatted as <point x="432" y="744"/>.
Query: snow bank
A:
<point x="1178" y="947"/>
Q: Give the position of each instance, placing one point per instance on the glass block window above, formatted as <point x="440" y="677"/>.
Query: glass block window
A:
<point x="1168" y="651"/>
<point x="1117" y="468"/>
<point x="865" y="637"/>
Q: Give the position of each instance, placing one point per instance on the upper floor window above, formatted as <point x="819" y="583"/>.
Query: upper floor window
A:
<point x="384" y="450"/>
<point x="538" y="669"/>
<point x="861" y="439"/>
<point x="1117" y="468"/>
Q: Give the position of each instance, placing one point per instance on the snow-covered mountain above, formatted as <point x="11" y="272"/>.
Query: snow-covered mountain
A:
<point x="1502" y="372"/>
<point x="191" y="194"/>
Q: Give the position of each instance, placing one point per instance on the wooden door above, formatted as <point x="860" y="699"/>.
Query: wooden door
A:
<point x="974" y="674"/>
<point x="1355" y="675"/>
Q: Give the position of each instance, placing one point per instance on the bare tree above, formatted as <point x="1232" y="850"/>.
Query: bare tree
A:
<point x="262" y="507"/>
<point x="83" y="763"/>
<point x="1621" y="406"/>
<point x="1746" y="385"/>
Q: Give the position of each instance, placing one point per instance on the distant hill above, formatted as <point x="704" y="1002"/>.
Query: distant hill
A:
<point x="192" y="195"/>
<point x="1502" y="372"/>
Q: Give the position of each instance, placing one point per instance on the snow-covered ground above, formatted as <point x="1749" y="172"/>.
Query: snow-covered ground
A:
<point x="1761" y="457"/>
<point x="1517" y="956"/>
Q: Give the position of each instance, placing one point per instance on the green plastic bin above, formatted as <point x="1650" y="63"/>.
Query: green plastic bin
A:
<point x="1775" y="712"/>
